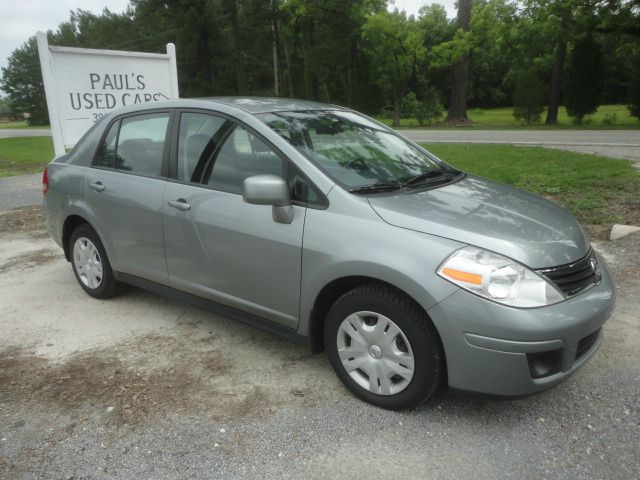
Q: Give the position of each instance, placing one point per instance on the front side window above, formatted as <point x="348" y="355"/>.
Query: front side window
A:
<point x="219" y="153"/>
<point x="140" y="144"/>
<point x="355" y="151"/>
<point x="242" y="155"/>
<point x="199" y="135"/>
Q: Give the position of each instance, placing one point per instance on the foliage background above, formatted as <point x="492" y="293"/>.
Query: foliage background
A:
<point x="357" y="53"/>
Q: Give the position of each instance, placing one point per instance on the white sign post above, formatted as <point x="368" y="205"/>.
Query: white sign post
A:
<point x="82" y="85"/>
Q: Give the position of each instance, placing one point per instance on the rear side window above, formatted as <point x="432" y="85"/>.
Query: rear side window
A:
<point x="141" y="144"/>
<point x="135" y="144"/>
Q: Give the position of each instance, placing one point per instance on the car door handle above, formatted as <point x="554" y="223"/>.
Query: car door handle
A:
<point x="97" y="186"/>
<point x="181" y="204"/>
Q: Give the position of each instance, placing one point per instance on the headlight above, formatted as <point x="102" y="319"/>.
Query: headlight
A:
<point x="498" y="278"/>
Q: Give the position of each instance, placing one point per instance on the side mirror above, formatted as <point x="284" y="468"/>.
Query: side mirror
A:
<point x="269" y="190"/>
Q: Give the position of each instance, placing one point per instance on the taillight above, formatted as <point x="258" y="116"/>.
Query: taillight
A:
<point x="45" y="181"/>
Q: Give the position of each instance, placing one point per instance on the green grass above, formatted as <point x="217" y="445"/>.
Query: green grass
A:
<point x="502" y="118"/>
<point x="24" y="155"/>
<point x="597" y="190"/>
<point x="22" y="124"/>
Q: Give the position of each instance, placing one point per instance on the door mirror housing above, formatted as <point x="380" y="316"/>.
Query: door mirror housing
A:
<point x="269" y="190"/>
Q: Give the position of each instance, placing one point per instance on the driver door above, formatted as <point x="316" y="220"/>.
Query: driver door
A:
<point x="217" y="246"/>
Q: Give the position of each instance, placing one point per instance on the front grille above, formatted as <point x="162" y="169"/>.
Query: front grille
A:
<point x="586" y="343"/>
<point x="573" y="277"/>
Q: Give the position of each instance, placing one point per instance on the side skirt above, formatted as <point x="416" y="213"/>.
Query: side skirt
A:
<point x="215" y="307"/>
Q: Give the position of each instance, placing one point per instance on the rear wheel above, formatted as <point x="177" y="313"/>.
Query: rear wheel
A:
<point x="383" y="347"/>
<point x="90" y="263"/>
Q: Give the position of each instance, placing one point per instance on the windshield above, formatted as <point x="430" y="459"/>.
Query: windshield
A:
<point x="355" y="151"/>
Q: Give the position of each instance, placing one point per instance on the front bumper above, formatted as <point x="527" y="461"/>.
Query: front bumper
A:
<point x="494" y="349"/>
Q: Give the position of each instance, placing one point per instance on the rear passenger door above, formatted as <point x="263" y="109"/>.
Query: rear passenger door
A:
<point x="218" y="246"/>
<point x="124" y="192"/>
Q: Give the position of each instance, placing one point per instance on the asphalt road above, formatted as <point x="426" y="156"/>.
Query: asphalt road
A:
<point x="586" y="138"/>
<point x="628" y="138"/>
<point x="142" y="387"/>
<point x="24" y="132"/>
<point x="609" y="143"/>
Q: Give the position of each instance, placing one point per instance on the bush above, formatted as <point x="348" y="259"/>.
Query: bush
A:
<point x="529" y="96"/>
<point x="610" y="118"/>
<point x="426" y="111"/>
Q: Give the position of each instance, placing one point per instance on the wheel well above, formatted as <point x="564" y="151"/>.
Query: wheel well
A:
<point x="334" y="290"/>
<point x="326" y="298"/>
<point x="70" y="224"/>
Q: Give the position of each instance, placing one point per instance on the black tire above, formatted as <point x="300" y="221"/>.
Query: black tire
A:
<point x="108" y="286"/>
<point x="416" y="327"/>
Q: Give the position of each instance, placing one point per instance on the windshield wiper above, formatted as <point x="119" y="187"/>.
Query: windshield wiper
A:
<point x="428" y="177"/>
<point x="377" y="187"/>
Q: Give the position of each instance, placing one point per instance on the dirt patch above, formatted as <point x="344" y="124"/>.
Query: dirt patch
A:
<point x="103" y="382"/>
<point x="623" y="209"/>
<point x="21" y="220"/>
<point x="146" y="379"/>
<point x="26" y="261"/>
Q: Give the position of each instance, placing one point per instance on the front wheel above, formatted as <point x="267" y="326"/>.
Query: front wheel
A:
<point x="383" y="347"/>
<point x="90" y="263"/>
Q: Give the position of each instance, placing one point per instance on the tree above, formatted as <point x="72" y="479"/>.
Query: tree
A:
<point x="493" y="33"/>
<point x="457" y="111"/>
<point x="22" y="81"/>
<point x="584" y="78"/>
<point x="322" y="44"/>
<point x="395" y="46"/>
<point x="195" y="26"/>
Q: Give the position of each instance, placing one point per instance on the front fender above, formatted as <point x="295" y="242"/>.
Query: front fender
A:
<point x="368" y="247"/>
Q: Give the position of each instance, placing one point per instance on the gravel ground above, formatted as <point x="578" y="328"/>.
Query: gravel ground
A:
<point x="142" y="387"/>
<point x="20" y="191"/>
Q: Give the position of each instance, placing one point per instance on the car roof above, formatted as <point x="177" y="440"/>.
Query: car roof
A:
<point x="251" y="105"/>
<point x="271" y="104"/>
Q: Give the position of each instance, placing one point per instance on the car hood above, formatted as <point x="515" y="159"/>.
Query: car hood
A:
<point x="525" y="227"/>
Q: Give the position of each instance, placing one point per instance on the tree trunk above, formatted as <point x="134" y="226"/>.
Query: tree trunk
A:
<point x="241" y="79"/>
<point x="556" y="83"/>
<point x="458" y="101"/>
<point x="396" y="109"/>
<point x="287" y="58"/>
<point x="353" y="53"/>
<point x="311" y="60"/>
<point x="276" y="41"/>
<point x="204" y="61"/>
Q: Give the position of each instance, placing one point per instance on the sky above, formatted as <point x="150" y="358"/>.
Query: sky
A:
<point x="26" y="17"/>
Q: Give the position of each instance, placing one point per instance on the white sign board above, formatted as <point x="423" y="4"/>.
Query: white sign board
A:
<point x="82" y="85"/>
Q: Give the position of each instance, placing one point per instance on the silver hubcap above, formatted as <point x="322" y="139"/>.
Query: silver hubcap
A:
<point x="87" y="262"/>
<point x="375" y="353"/>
